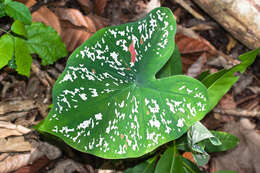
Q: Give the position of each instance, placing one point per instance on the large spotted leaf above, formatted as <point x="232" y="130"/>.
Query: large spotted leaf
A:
<point x="107" y="102"/>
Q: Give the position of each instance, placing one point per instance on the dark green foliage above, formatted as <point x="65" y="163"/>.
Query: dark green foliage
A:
<point x="26" y="38"/>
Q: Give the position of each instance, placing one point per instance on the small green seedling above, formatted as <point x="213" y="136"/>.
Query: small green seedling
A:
<point x="122" y="95"/>
<point x="25" y="38"/>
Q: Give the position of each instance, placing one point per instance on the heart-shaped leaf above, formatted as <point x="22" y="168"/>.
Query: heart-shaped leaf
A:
<point x="108" y="102"/>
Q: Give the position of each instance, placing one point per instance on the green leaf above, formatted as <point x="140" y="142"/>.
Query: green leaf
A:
<point x="225" y="171"/>
<point x="2" y="9"/>
<point x="201" y="158"/>
<point x="198" y="132"/>
<point x="12" y="63"/>
<point x="173" y="66"/>
<point x="18" y="11"/>
<point x="219" y="83"/>
<point x="228" y="141"/>
<point x="182" y="143"/>
<point x="19" y="28"/>
<point x="170" y="161"/>
<point x="107" y="102"/>
<point x="45" y="41"/>
<point x="203" y="75"/>
<point x="189" y="167"/>
<point x="6" y="49"/>
<point x="23" y="58"/>
<point x="145" y="167"/>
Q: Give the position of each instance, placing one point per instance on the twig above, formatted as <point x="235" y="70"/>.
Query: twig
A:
<point x="238" y="112"/>
<point x="189" y="9"/>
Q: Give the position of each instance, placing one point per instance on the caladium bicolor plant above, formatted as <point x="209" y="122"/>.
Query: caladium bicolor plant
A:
<point x="107" y="102"/>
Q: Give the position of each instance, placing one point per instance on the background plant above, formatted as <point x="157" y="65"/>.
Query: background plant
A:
<point x="25" y="38"/>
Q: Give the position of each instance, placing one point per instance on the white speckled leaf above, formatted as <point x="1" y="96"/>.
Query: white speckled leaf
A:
<point x="107" y="101"/>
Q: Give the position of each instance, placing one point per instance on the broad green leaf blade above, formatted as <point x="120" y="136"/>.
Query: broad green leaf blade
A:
<point x="19" y="28"/>
<point x="189" y="167"/>
<point x="23" y="58"/>
<point x="107" y="101"/>
<point x="228" y="141"/>
<point x="219" y="83"/>
<point x="2" y="9"/>
<point x="18" y="11"/>
<point x="145" y="167"/>
<point x="45" y="41"/>
<point x="6" y="49"/>
<point x="173" y="66"/>
<point x="170" y="161"/>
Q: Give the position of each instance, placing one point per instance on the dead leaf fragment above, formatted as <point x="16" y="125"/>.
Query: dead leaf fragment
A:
<point x="188" y="155"/>
<point x="14" y="144"/>
<point x="3" y="156"/>
<point x="77" y="28"/>
<point x="86" y="5"/>
<point x="227" y="102"/>
<point x="100" y="6"/>
<point x="35" y="167"/>
<point x="47" y="17"/>
<point x="19" y="128"/>
<point x="188" y="44"/>
<point x="7" y="132"/>
<point x="12" y="163"/>
<point x="16" y="106"/>
<point x="197" y="67"/>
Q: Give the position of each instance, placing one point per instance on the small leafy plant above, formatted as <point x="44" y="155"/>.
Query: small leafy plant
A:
<point x="122" y="95"/>
<point x="25" y="38"/>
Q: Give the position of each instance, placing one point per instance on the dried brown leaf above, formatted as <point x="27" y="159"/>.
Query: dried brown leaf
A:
<point x="13" y="116"/>
<point x="14" y="144"/>
<point x="18" y="128"/>
<point x="35" y="167"/>
<point x="7" y="132"/>
<point x="16" y="106"/>
<point x="189" y="45"/>
<point x="47" y="17"/>
<point x="13" y="163"/>
<point x="86" y="5"/>
<point x="99" y="22"/>
<point x="39" y="150"/>
<point x="74" y="16"/>
<point x="77" y="28"/>
<point x="100" y="6"/>
<point x="197" y="67"/>
<point x="227" y="102"/>
<point x="3" y="156"/>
